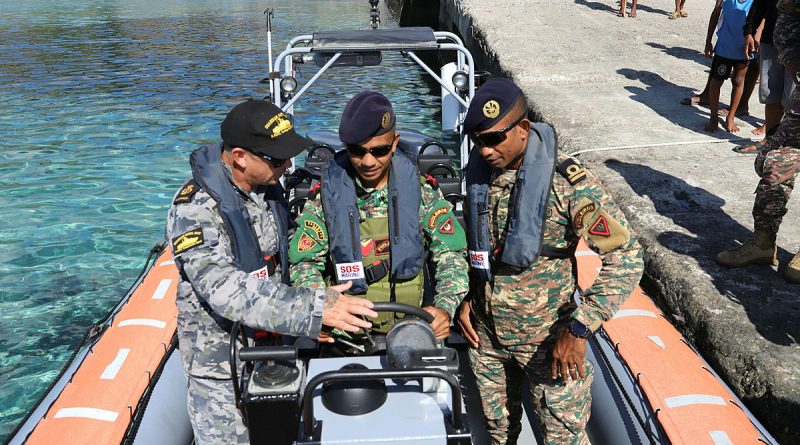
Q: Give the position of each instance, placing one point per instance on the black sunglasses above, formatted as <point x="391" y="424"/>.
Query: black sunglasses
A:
<point x="493" y="138"/>
<point x="379" y="151"/>
<point x="275" y="162"/>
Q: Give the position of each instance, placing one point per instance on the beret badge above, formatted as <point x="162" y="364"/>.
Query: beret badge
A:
<point x="491" y="109"/>
<point x="386" y="120"/>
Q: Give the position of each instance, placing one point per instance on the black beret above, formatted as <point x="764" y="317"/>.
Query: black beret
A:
<point x="491" y="103"/>
<point x="260" y="126"/>
<point x="368" y="114"/>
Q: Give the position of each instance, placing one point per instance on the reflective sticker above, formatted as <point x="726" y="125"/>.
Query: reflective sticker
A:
<point x="436" y="214"/>
<point x="305" y="243"/>
<point x="600" y="227"/>
<point x="382" y="247"/>
<point x="261" y="274"/>
<point x="187" y="240"/>
<point x="316" y="228"/>
<point x="479" y="259"/>
<point x="447" y="227"/>
<point x="366" y="246"/>
<point x="349" y="271"/>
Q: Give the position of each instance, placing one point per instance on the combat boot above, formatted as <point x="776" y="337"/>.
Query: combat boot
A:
<point x="761" y="249"/>
<point x="792" y="272"/>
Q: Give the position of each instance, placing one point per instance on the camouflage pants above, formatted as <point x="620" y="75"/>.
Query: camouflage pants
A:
<point x="786" y="38"/>
<point x="213" y="414"/>
<point x="563" y="409"/>
<point x="779" y="170"/>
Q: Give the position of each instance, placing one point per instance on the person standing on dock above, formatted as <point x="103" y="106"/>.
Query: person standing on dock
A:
<point x="375" y="220"/>
<point x="227" y="228"/>
<point x="778" y="161"/>
<point x="527" y="208"/>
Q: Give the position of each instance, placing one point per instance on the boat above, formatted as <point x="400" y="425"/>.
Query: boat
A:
<point x="125" y="384"/>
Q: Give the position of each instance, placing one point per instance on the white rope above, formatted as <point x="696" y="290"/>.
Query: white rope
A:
<point x="665" y="144"/>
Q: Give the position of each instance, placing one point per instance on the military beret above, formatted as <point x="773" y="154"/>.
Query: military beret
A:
<point x="367" y="114"/>
<point x="491" y="103"/>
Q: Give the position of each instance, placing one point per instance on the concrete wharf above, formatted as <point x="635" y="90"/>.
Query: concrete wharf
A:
<point x="614" y="84"/>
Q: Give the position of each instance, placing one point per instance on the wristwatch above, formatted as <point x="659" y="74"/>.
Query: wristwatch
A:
<point x="580" y="330"/>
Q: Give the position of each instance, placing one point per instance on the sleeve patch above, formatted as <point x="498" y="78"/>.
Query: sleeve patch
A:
<point x="187" y="240"/>
<point x="571" y="170"/>
<point x="434" y="215"/>
<point x="305" y="243"/>
<point x="447" y="227"/>
<point x="187" y="192"/>
<point x="309" y="239"/>
<point x="580" y="215"/>
<point x="607" y="233"/>
<point x="315" y="228"/>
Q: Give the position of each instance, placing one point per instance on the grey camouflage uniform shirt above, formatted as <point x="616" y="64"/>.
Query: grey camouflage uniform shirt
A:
<point x="210" y="275"/>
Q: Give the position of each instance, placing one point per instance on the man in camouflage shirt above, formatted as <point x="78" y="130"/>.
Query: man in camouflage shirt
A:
<point x="525" y="319"/>
<point x="370" y="171"/>
<point x="777" y="163"/>
<point x="226" y="227"/>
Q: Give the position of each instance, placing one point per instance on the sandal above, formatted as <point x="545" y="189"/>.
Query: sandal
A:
<point x="673" y="15"/>
<point x="683" y="13"/>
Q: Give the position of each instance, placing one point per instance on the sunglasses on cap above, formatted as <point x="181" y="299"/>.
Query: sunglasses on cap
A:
<point x="379" y="151"/>
<point x="493" y="138"/>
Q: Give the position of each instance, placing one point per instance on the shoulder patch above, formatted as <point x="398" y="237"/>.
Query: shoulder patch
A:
<point x="187" y="192"/>
<point x="434" y="215"/>
<point x="606" y="233"/>
<point x="187" y="240"/>
<point x="447" y="227"/>
<point x="582" y="213"/>
<point x="305" y="243"/>
<point x="572" y="171"/>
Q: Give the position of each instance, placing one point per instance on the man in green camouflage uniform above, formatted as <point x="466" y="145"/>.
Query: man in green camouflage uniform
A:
<point x="227" y="266"/>
<point x="777" y="163"/>
<point x="368" y="130"/>
<point x="527" y="322"/>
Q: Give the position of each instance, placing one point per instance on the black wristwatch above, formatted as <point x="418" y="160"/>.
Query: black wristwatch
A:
<point x="580" y="330"/>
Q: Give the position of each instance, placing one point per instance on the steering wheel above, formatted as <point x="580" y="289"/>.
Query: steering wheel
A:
<point x="401" y="308"/>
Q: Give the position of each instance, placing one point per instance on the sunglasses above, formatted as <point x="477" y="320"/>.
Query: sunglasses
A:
<point x="379" y="151"/>
<point x="275" y="162"/>
<point x="493" y="138"/>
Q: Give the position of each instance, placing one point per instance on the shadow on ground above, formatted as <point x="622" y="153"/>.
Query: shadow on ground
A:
<point x="682" y="53"/>
<point x="771" y="303"/>
<point x="663" y="97"/>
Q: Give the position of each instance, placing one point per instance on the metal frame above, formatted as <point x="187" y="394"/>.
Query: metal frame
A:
<point x="446" y="41"/>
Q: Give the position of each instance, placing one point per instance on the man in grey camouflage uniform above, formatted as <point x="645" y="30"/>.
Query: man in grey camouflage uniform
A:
<point x="216" y="287"/>
<point x="777" y="163"/>
<point x="522" y="319"/>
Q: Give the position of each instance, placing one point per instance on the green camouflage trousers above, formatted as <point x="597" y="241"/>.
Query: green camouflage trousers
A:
<point x="562" y="409"/>
<point x="213" y="414"/>
<point x="780" y="167"/>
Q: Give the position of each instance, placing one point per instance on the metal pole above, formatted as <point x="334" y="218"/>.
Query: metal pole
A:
<point x="269" y="12"/>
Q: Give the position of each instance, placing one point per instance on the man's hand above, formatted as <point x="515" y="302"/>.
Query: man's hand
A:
<point x="340" y="310"/>
<point x="465" y="323"/>
<point x="750" y="46"/>
<point x="709" y="51"/>
<point x="440" y="323"/>
<point x="569" y="356"/>
<point x="325" y="336"/>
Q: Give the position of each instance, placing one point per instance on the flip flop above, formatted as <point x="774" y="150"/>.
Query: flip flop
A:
<point x="632" y="15"/>
<point x="673" y="15"/>
<point x="683" y="13"/>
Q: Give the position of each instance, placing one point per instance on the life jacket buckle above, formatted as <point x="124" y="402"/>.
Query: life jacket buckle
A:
<point x="376" y="271"/>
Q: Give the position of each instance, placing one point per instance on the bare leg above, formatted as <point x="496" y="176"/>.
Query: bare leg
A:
<point x="713" y="104"/>
<point x="622" y="5"/>
<point x="773" y="113"/>
<point x="633" y="9"/>
<point x="749" y="85"/>
<point x="739" y="73"/>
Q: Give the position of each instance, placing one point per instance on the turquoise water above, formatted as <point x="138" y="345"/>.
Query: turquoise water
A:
<point x="102" y="102"/>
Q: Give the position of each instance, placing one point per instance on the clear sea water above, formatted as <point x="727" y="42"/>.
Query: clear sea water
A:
<point x="101" y="102"/>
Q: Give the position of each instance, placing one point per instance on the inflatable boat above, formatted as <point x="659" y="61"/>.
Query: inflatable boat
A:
<point x="125" y="383"/>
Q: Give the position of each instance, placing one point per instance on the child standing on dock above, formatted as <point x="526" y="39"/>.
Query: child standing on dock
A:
<point x="729" y="56"/>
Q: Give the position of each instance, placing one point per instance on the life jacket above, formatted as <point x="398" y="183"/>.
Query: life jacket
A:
<point x="527" y="208"/>
<point x="346" y="231"/>
<point x="209" y="174"/>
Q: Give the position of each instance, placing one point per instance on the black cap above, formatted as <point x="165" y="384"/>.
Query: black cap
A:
<point x="491" y="103"/>
<point x="368" y="114"/>
<point x="260" y="126"/>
